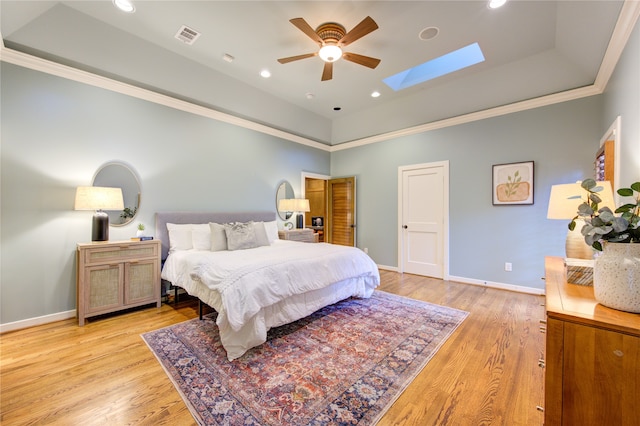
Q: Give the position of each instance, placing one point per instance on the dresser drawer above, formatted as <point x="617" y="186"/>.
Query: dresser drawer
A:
<point x="120" y="252"/>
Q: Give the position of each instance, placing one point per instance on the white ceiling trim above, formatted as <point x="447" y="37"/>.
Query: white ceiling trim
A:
<point x="624" y="27"/>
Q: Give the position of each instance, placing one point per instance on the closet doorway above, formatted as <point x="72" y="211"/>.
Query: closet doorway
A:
<point x="334" y="202"/>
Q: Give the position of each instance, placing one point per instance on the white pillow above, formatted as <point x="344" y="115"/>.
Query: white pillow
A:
<point x="240" y="236"/>
<point x="218" y="237"/>
<point x="271" y="229"/>
<point x="179" y="237"/>
<point x="201" y="236"/>
<point x="261" y="234"/>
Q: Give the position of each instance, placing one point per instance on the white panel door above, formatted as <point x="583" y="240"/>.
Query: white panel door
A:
<point x="423" y="220"/>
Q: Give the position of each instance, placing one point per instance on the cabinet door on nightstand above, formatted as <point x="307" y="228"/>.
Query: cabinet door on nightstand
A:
<point x="141" y="281"/>
<point x="103" y="288"/>
<point x="601" y="376"/>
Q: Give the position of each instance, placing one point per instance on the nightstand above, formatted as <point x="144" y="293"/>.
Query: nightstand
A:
<point x="304" y="235"/>
<point x="117" y="275"/>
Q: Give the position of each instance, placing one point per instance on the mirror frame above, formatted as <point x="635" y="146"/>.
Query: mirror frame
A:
<point x="284" y="190"/>
<point x="129" y="176"/>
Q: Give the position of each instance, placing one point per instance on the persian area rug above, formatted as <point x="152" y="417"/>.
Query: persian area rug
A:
<point x="345" y="364"/>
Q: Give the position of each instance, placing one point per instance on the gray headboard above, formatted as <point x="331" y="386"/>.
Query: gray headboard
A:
<point x="162" y="218"/>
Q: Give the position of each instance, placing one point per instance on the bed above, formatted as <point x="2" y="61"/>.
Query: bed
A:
<point x="258" y="285"/>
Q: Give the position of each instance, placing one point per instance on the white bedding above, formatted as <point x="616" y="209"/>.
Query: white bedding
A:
<point x="256" y="289"/>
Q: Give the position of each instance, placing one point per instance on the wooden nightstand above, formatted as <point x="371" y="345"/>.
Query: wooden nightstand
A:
<point x="117" y="275"/>
<point x="304" y="235"/>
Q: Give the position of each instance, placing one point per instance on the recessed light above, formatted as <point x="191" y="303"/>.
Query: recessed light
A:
<point x="124" y="5"/>
<point x="375" y="94"/>
<point x="227" y="58"/>
<point x="429" y="33"/>
<point x="494" y="4"/>
<point x="310" y="96"/>
<point x="265" y="73"/>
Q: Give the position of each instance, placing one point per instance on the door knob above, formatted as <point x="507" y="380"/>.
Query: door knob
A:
<point x="405" y="226"/>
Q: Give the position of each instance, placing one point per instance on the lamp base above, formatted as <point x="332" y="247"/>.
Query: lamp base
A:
<point x="300" y="220"/>
<point x="100" y="227"/>
<point x="575" y="247"/>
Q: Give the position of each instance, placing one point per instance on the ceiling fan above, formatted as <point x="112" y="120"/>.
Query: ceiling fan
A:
<point x="332" y="37"/>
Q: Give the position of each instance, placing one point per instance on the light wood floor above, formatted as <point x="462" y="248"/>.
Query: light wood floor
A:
<point x="103" y="373"/>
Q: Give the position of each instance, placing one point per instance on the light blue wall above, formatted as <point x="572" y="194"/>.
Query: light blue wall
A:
<point x="622" y="98"/>
<point x="561" y="139"/>
<point x="56" y="133"/>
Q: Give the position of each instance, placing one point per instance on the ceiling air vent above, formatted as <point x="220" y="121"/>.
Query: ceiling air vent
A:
<point x="187" y="35"/>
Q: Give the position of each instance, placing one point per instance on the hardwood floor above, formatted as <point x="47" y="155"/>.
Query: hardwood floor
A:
<point x="103" y="373"/>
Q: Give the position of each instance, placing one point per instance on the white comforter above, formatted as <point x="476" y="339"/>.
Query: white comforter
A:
<point x="256" y="289"/>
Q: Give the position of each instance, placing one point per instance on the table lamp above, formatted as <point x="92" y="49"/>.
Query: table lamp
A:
<point x="99" y="199"/>
<point x="564" y="205"/>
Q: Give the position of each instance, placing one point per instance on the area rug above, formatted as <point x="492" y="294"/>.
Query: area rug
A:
<point x="343" y="365"/>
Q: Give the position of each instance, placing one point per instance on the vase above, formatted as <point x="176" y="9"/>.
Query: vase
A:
<point x="616" y="277"/>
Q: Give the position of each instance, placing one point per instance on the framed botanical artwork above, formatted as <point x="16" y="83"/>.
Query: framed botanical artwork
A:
<point x="513" y="183"/>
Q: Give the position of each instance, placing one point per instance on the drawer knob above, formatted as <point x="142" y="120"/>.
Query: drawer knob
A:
<point x="539" y="408"/>
<point x="541" y="363"/>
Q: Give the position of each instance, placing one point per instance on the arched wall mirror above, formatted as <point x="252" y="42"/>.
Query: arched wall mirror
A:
<point x="120" y="175"/>
<point x="284" y="191"/>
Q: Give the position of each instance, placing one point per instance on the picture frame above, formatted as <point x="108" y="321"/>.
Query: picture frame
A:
<point x="512" y="183"/>
<point x="317" y="221"/>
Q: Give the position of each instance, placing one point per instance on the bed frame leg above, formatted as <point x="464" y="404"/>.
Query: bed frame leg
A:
<point x="200" y="309"/>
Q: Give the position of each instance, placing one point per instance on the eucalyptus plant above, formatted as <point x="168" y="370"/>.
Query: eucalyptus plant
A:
<point x="602" y="224"/>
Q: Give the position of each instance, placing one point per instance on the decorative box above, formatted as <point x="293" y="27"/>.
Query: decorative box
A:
<point x="579" y="271"/>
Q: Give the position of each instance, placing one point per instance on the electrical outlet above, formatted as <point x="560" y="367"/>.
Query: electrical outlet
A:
<point x="508" y="267"/>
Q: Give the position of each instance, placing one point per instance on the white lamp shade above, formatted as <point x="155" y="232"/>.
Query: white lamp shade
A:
<point x="98" y="198"/>
<point x="301" y="205"/>
<point x="562" y="206"/>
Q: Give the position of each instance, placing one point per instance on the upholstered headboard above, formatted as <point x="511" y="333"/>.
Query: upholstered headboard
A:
<point x="162" y="218"/>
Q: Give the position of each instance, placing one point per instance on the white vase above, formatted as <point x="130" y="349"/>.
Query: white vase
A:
<point x="616" y="277"/>
<point x="139" y="233"/>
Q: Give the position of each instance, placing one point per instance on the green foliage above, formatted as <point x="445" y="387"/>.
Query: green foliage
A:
<point x="140" y="227"/>
<point x="512" y="184"/>
<point x="602" y="224"/>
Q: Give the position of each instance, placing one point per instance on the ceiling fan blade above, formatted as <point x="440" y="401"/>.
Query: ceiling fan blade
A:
<point x="366" y="26"/>
<point x="367" y="61"/>
<point x="297" y="58"/>
<point x="306" y="28"/>
<point x="327" y="72"/>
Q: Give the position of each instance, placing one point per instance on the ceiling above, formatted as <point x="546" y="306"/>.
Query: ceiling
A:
<point x="531" y="49"/>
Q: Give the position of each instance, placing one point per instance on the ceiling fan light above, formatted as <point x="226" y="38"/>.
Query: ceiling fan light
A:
<point x="330" y="53"/>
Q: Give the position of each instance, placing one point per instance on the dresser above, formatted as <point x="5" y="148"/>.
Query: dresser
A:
<point x="592" y="356"/>
<point x="116" y="275"/>
<point x="305" y="235"/>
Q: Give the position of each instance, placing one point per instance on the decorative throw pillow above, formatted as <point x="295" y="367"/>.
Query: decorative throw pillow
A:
<point x="271" y="229"/>
<point x="240" y="235"/>
<point x="261" y="234"/>
<point x="179" y="237"/>
<point x="218" y="237"/>
<point x="201" y="236"/>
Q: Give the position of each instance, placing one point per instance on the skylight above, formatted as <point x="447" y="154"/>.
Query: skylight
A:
<point x="445" y="64"/>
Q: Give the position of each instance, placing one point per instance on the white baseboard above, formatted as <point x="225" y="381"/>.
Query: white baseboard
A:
<point x="388" y="268"/>
<point x="30" y="322"/>
<point x="500" y="286"/>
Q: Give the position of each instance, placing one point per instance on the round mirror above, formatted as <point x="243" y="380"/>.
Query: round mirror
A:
<point x="120" y="175"/>
<point x="284" y="192"/>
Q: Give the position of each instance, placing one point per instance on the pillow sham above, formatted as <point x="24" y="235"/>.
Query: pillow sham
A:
<point x="240" y="236"/>
<point x="201" y="236"/>
<point x="271" y="229"/>
<point x="261" y="234"/>
<point x="218" y="240"/>
<point x="179" y="237"/>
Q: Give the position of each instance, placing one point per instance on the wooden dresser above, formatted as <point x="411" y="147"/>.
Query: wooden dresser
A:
<point x="117" y="275"/>
<point x="592" y="360"/>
